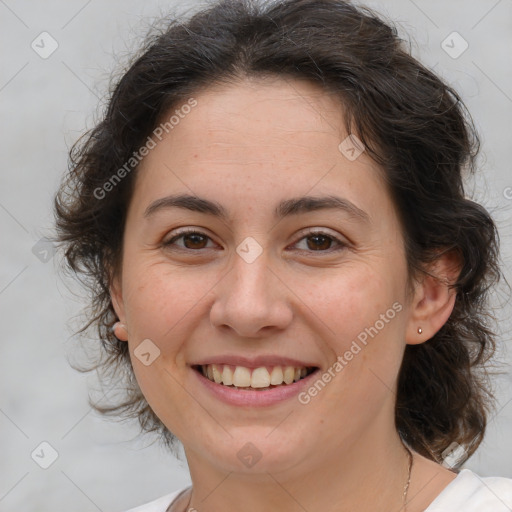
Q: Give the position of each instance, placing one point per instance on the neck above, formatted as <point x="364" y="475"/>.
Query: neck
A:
<point x="366" y="477"/>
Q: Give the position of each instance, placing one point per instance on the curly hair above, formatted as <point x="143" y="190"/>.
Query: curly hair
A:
<point x="413" y="124"/>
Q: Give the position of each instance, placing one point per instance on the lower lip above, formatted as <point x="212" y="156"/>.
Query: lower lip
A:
<point x="254" y="398"/>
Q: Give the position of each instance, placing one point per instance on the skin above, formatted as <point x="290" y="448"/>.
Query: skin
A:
<point x="249" y="146"/>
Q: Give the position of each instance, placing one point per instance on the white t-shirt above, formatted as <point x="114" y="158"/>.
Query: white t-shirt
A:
<point x="468" y="492"/>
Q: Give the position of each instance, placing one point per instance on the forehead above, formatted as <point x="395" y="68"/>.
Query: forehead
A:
<point x="256" y="139"/>
<point x="264" y="112"/>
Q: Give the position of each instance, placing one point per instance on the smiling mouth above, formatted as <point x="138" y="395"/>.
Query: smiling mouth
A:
<point x="261" y="379"/>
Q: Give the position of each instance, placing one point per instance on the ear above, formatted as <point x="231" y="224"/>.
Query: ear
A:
<point x="116" y="296"/>
<point x="433" y="300"/>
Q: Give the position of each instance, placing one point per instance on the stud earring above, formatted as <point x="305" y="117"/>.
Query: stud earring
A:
<point x="420" y="330"/>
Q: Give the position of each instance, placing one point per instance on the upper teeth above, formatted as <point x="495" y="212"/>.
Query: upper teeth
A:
<point x="240" y="376"/>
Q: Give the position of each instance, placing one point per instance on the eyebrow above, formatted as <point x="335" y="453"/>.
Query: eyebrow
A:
<point x="294" y="206"/>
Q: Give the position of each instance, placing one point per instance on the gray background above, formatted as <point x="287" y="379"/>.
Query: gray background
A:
<point x="45" y="104"/>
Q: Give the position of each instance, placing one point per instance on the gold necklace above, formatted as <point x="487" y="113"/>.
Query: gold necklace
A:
<point x="404" y="495"/>
<point x="406" y="488"/>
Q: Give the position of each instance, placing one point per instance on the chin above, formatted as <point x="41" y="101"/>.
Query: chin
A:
<point x="255" y="451"/>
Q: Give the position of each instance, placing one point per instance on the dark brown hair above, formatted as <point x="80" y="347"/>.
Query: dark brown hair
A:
<point x="412" y="123"/>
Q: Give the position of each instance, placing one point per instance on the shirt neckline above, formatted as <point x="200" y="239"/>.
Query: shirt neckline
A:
<point x="438" y="500"/>
<point x="448" y="490"/>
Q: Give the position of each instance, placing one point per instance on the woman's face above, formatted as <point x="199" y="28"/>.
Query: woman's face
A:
<point x="278" y="281"/>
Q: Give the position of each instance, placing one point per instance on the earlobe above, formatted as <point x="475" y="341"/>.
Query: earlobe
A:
<point x="434" y="299"/>
<point x="120" y="331"/>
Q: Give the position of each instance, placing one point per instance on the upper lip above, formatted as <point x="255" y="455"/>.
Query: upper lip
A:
<point x="253" y="362"/>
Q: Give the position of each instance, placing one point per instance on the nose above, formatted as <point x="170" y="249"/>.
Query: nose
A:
<point x="252" y="299"/>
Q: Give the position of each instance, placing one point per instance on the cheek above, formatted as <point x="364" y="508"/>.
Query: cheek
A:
<point x="365" y="314"/>
<point x="362" y="316"/>
<point x="164" y="305"/>
<point x="162" y="298"/>
<point x="352" y="301"/>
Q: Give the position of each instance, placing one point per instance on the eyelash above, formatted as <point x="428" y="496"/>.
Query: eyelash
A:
<point x="341" y="245"/>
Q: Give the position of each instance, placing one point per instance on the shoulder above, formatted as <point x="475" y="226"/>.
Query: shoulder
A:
<point x="470" y="492"/>
<point x="159" y="505"/>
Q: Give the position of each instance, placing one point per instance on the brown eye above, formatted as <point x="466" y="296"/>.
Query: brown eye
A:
<point x="192" y="240"/>
<point x="318" y="241"/>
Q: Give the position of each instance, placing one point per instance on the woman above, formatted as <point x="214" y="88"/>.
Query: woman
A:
<point x="284" y="265"/>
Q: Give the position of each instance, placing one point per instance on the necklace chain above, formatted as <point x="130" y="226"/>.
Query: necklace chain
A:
<point x="406" y="488"/>
<point x="404" y="495"/>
